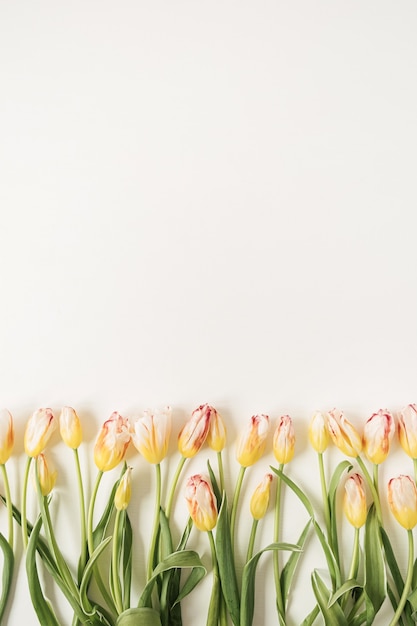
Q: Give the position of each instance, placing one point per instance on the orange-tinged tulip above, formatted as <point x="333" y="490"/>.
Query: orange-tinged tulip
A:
<point x="47" y="477"/>
<point x="150" y="434"/>
<point x="402" y="498"/>
<point x="344" y="434"/>
<point x="253" y="441"/>
<point x="112" y="442"/>
<point x="201" y="502"/>
<point x="354" y="500"/>
<point x="216" y="436"/>
<point x="318" y="432"/>
<point x="260" y="498"/>
<point x="38" y="431"/>
<point x="377" y="435"/>
<point x="6" y="436"/>
<point x="70" y="427"/>
<point x="194" y="432"/>
<point x="123" y="491"/>
<point x="407" y="430"/>
<point x="284" y="440"/>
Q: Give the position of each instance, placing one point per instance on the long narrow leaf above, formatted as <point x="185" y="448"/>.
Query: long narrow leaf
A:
<point x="333" y="615"/>
<point x="7" y="577"/>
<point x="289" y="568"/>
<point x="311" y="617"/>
<point x="225" y="559"/>
<point x="374" y="586"/>
<point x="344" y="466"/>
<point x="88" y="572"/>
<point x="139" y="616"/>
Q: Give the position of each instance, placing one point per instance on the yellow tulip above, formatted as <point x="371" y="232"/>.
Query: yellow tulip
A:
<point x="318" y="432"/>
<point x="6" y="436"/>
<point x="150" y="434"/>
<point x="70" y="428"/>
<point x="194" y="432"/>
<point x="377" y="435"/>
<point x="38" y="431"/>
<point x="201" y="502"/>
<point x="47" y="478"/>
<point x="284" y="440"/>
<point x="402" y="498"/>
<point x="123" y="491"/>
<point x="216" y="436"/>
<point x="252" y="442"/>
<point x="260" y="498"/>
<point x="407" y="430"/>
<point x="344" y="434"/>
<point x="112" y="442"/>
<point x="354" y="501"/>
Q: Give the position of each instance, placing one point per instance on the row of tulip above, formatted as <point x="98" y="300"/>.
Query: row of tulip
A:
<point x="354" y="597"/>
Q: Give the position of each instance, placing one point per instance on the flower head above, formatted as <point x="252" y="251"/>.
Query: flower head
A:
<point x="6" y="436"/>
<point x="216" y="436"/>
<point x="354" y="501"/>
<point x="123" y="491"/>
<point x="318" y="432"/>
<point x="407" y="430"/>
<point x="377" y="435"/>
<point x="201" y="502"/>
<point x="402" y="498"/>
<point x="70" y="428"/>
<point x="47" y="478"/>
<point x="284" y="440"/>
<point x="194" y="432"/>
<point x="252" y="442"/>
<point x="112" y="442"/>
<point x="150" y="434"/>
<point x="38" y="431"/>
<point x="260" y="498"/>
<point x="344" y="434"/>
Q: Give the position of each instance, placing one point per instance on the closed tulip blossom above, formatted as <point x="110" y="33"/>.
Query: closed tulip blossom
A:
<point x="402" y="498"/>
<point x="284" y="440"/>
<point x="46" y="476"/>
<point x="407" y="430"/>
<point x="252" y="442"/>
<point x="318" y="432"/>
<point x="150" y="434"/>
<point x="112" y="442"/>
<point x="70" y="427"/>
<point x="201" y="502"/>
<point x="377" y="435"/>
<point x="6" y="436"/>
<point x="123" y="491"/>
<point x="344" y="434"/>
<point x="38" y="431"/>
<point x="354" y="500"/>
<point x="216" y="436"/>
<point x="195" y="431"/>
<point x="260" y="498"/>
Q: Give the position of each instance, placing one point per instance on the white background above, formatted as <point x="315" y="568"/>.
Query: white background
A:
<point x="206" y="202"/>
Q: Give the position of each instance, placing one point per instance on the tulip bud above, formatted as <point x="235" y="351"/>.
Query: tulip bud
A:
<point x="216" y="436"/>
<point x="284" y="440"/>
<point x="201" y="502"/>
<point x="38" y="431"/>
<point x="123" y="491"/>
<point x="402" y="498"/>
<point x="194" y="432"/>
<point x="344" y="434"/>
<point x="407" y="430"/>
<point x="6" y="436"/>
<point x="150" y="434"/>
<point x="377" y="435"/>
<point x="70" y="428"/>
<point x="260" y="498"/>
<point x="46" y="477"/>
<point x="354" y="501"/>
<point x="112" y="442"/>
<point x="253" y="441"/>
<point x="318" y="433"/>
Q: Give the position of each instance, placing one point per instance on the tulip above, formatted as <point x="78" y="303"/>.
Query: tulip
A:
<point x="112" y="442"/>
<point x="38" y="431"/>
<point x="195" y="431"/>
<point x="253" y="441"/>
<point x="216" y="436"/>
<point x="150" y="434"/>
<point x="354" y="501"/>
<point x="46" y="477"/>
<point x="407" y="430"/>
<point x="201" y="502"/>
<point x="284" y="440"/>
<point x="402" y="498"/>
<point x="377" y="435"/>
<point x="6" y="436"/>
<point x="318" y="432"/>
<point x="70" y="427"/>
<point x="260" y="498"/>
<point x="343" y="434"/>
<point x="123" y="491"/>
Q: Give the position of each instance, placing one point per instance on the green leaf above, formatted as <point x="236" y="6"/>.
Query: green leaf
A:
<point x="247" y="605"/>
<point x="288" y="570"/>
<point x="344" y="466"/>
<point x="374" y="586"/>
<point x="7" y="577"/>
<point x="144" y="616"/>
<point x="333" y="615"/>
<point x="311" y="617"/>
<point x="226" y="563"/>
<point x="298" y="492"/>
<point x="215" y="485"/>
<point x="88" y="572"/>
<point x="347" y="586"/>
<point x="127" y="561"/>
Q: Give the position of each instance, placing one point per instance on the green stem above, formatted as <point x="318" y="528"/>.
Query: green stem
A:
<point x="117" y="589"/>
<point x="371" y="485"/>
<point x="83" y="559"/>
<point x="376" y="478"/>
<point x="235" y="502"/>
<point x="353" y="570"/>
<point x="174" y="486"/>
<point x="278" y="590"/>
<point x="25" y="537"/>
<point x="251" y="543"/>
<point x="408" y="580"/>
<point x="325" y="497"/>
<point x="221" y="471"/>
<point x="151" y="557"/>
<point x="216" y="602"/>
<point x="9" y="503"/>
